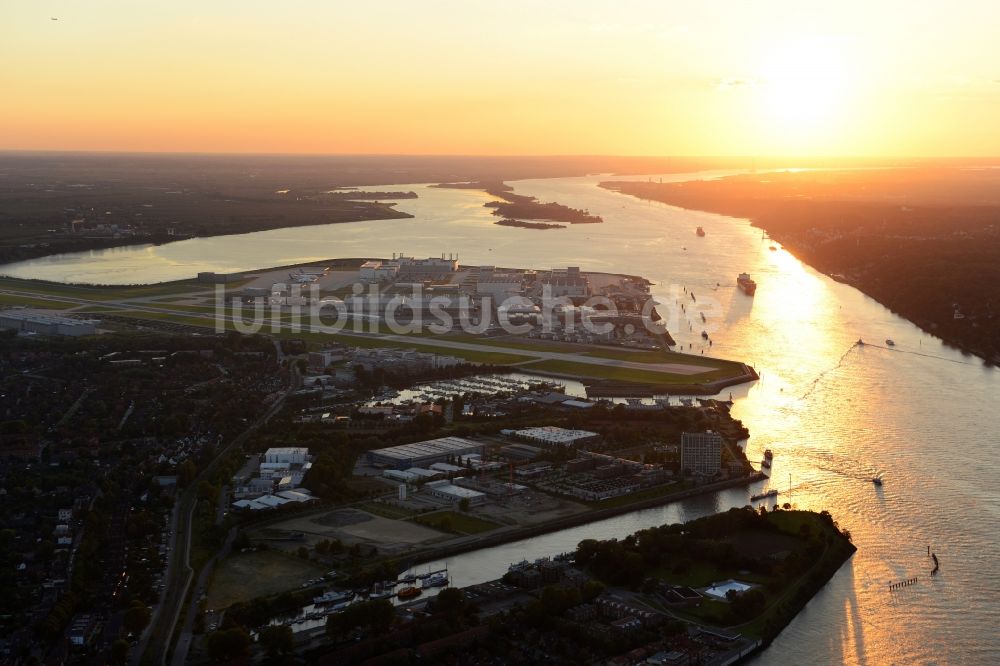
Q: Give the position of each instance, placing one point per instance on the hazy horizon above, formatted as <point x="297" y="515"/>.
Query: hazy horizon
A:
<point x="759" y="160"/>
<point x="640" y="78"/>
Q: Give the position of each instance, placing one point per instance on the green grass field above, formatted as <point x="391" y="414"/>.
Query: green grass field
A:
<point x="635" y="356"/>
<point x="659" y="491"/>
<point x="495" y="358"/>
<point x="455" y="521"/>
<point x="725" y="369"/>
<point x="103" y="293"/>
<point x="385" y="510"/>
<point x="37" y="303"/>
<point x="243" y="576"/>
<point x="186" y="314"/>
<point x="181" y="307"/>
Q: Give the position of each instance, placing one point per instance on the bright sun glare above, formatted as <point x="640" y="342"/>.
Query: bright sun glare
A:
<point x="803" y="87"/>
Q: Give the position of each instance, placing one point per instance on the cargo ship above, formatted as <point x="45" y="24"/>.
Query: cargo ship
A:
<point x="748" y="286"/>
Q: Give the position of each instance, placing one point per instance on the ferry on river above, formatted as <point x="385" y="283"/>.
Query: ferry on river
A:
<point x="748" y="286"/>
<point x="770" y="493"/>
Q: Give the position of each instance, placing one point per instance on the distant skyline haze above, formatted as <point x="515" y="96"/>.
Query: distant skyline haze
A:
<point x="773" y="77"/>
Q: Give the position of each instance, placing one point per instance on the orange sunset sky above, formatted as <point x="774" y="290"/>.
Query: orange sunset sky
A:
<point x="889" y="77"/>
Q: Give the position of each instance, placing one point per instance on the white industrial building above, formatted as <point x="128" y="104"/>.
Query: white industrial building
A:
<point x="407" y="268"/>
<point x="422" y="473"/>
<point x="418" y="454"/>
<point x="401" y="360"/>
<point x="448" y="491"/>
<point x="378" y="271"/>
<point x="282" y="469"/>
<point x="425" y="269"/>
<point x="565" y="282"/>
<point x="253" y="488"/>
<point x="412" y="475"/>
<point x="287" y="454"/>
<point x="35" y="323"/>
<point x="324" y="358"/>
<point x="269" y="501"/>
<point x="499" y="286"/>
<point x="445" y="468"/>
<point x="401" y="475"/>
<point x="554" y="436"/>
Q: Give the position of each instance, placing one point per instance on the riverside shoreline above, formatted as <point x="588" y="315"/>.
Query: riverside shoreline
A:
<point x="501" y="537"/>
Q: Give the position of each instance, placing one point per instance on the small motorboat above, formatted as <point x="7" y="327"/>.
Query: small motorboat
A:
<point x="381" y="591"/>
<point x="436" y="580"/>
<point x="704" y="334"/>
<point x="409" y="592"/>
<point x="877" y="480"/>
<point x="889" y="342"/>
<point x="332" y="598"/>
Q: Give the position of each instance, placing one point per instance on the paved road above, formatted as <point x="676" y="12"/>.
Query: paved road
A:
<point x="143" y="642"/>
<point x="186" y="637"/>
<point x="179" y="582"/>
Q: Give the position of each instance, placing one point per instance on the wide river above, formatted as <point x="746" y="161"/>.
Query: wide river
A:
<point x="923" y="416"/>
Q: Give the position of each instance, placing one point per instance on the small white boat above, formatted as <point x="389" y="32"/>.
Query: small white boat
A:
<point x="332" y="598"/>
<point x="436" y="580"/>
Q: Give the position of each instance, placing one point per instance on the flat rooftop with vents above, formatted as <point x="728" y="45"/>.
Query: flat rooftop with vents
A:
<point x="422" y="454"/>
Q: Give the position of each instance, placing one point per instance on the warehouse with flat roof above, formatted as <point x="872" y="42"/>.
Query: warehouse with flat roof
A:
<point x="449" y="492"/>
<point x="37" y="323"/>
<point x="422" y="454"/>
<point x="551" y="436"/>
